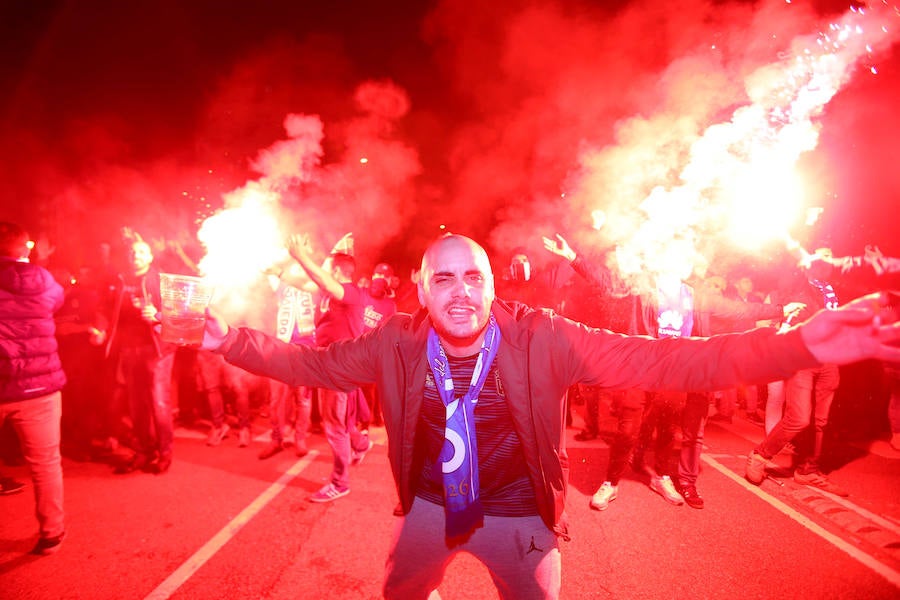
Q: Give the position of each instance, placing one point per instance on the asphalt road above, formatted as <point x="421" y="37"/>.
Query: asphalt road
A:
<point x="223" y="524"/>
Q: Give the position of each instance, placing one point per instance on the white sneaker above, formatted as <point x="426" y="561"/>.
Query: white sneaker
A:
<point x="607" y="493"/>
<point x="357" y="456"/>
<point x="665" y="488"/>
<point x="328" y="493"/>
<point x="244" y="437"/>
<point x="217" y="435"/>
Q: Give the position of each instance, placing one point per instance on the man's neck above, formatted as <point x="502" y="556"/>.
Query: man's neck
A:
<point x="458" y="348"/>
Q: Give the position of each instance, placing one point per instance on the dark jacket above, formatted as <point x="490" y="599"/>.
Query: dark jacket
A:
<point x="542" y="354"/>
<point x="29" y="363"/>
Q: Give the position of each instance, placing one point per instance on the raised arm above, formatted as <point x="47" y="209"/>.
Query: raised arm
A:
<point x="300" y="248"/>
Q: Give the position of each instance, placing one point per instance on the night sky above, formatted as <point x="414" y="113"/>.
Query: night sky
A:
<point x="469" y="115"/>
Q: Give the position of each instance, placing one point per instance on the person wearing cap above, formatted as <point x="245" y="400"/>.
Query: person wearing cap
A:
<point x="342" y="314"/>
<point x="31" y="376"/>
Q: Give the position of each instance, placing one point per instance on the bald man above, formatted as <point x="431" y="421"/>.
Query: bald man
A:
<point x="492" y="481"/>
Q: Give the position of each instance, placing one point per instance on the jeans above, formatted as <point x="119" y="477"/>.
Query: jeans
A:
<point x="661" y="414"/>
<point x="693" y="423"/>
<point x="147" y="378"/>
<point x="521" y="554"/>
<point x="630" y="408"/>
<point x="339" y="411"/>
<point x="37" y="423"/>
<point x="728" y="403"/>
<point x="289" y="405"/>
<point x="214" y="375"/>
<point x="808" y="396"/>
<point x="774" y="404"/>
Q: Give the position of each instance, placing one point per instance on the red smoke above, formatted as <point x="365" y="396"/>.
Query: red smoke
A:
<point x="478" y="116"/>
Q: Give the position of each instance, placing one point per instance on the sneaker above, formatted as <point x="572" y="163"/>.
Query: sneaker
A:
<point x="665" y="488"/>
<point x="48" y="546"/>
<point x="139" y="462"/>
<point x="755" y="471"/>
<point x="217" y="434"/>
<point x="328" y="493"/>
<point x="9" y="486"/>
<point x="163" y="465"/>
<point x="244" y="437"/>
<point x="691" y="496"/>
<point x="271" y="450"/>
<point x="606" y="494"/>
<point x="357" y="456"/>
<point x="586" y="435"/>
<point x="300" y="448"/>
<point x="818" y="480"/>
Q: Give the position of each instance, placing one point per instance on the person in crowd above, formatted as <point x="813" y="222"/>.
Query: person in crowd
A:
<point x="143" y="362"/>
<point x="808" y="393"/>
<point x="672" y="310"/>
<point x="80" y="339"/>
<point x="492" y="482"/>
<point x="295" y="324"/>
<point x="727" y="402"/>
<point x="215" y="378"/>
<point x="341" y="316"/>
<point x="382" y="286"/>
<point x="522" y="281"/>
<point x="31" y="377"/>
<point x="606" y="305"/>
<point x="876" y="270"/>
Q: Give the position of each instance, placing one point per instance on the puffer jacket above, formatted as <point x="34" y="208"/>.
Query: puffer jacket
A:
<point x="541" y="355"/>
<point x="29" y="363"/>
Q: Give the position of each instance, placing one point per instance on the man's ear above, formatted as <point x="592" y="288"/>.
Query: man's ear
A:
<point x="420" y="290"/>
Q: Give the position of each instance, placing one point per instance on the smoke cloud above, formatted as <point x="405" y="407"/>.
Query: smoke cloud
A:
<point x="505" y="122"/>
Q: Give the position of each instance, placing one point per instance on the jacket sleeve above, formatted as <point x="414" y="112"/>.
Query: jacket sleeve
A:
<point x="343" y="365"/>
<point x="726" y="308"/>
<point x="615" y="361"/>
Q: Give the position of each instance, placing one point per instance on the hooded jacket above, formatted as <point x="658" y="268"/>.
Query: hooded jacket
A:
<point x="29" y="363"/>
<point x="540" y="356"/>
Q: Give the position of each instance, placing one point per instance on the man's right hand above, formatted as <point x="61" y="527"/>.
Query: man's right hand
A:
<point x="300" y="247"/>
<point x="215" y="332"/>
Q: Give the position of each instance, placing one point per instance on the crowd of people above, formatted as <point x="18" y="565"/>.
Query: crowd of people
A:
<point x="345" y="352"/>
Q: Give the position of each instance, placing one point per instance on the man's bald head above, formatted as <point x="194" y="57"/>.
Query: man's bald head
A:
<point x="457" y="288"/>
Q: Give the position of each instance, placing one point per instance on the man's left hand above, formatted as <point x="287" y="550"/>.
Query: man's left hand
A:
<point x="865" y="328"/>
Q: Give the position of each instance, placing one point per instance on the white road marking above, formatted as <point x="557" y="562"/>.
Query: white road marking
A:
<point x="208" y="550"/>
<point x="882" y="521"/>
<point x="882" y="569"/>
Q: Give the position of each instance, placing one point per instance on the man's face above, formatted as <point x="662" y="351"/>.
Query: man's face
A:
<point x="141" y="257"/>
<point x="520" y="267"/>
<point x="744" y="285"/>
<point x="457" y="288"/>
